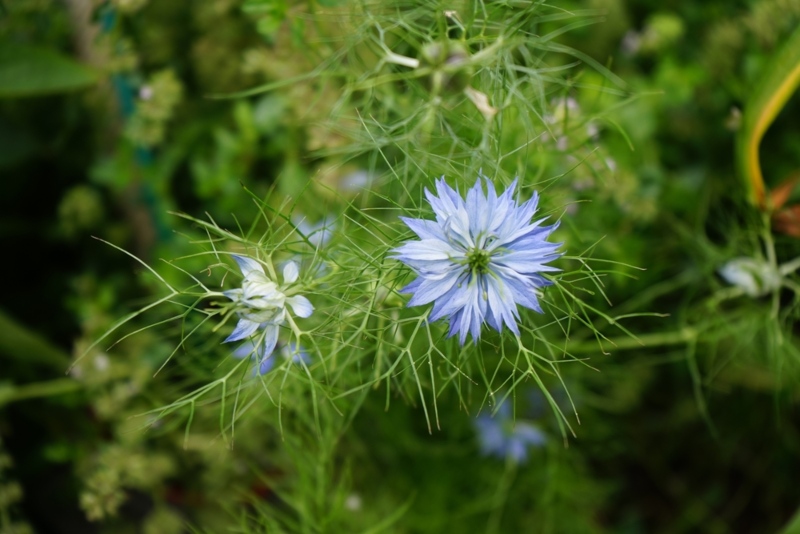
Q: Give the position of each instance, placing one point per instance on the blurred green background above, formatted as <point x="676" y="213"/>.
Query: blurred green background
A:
<point x="113" y="114"/>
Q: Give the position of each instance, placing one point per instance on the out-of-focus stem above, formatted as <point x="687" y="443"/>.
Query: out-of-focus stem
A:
<point x="47" y="388"/>
<point x="21" y="343"/>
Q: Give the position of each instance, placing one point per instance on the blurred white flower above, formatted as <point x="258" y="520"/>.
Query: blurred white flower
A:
<point x="755" y="277"/>
<point x="353" y="502"/>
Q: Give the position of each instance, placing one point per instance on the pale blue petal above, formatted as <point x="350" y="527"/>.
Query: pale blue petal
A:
<point x="270" y="338"/>
<point x="290" y="272"/>
<point x="503" y="307"/>
<point x="490" y="435"/>
<point x="317" y="234"/>
<point x="266" y="365"/>
<point x="499" y="437"/>
<point x="247" y="264"/>
<point x="507" y="198"/>
<point x="516" y="450"/>
<point x="412" y="287"/>
<point x="457" y="229"/>
<point x="234" y="294"/>
<point x="531" y="236"/>
<point x="430" y="290"/>
<point x="456" y="324"/>
<point x="296" y="353"/>
<point x="465" y="319"/>
<point x="246" y="349"/>
<point x="443" y="206"/>
<point x="504" y="410"/>
<point x="538" y="281"/>
<point x="424" y="229"/>
<point x="529" y="434"/>
<point x="522" y="292"/>
<point x="449" y="196"/>
<point x="475" y="323"/>
<point x="244" y="328"/>
<point x="301" y="306"/>
<point x="476" y="209"/>
<point x="524" y="261"/>
<point x="425" y="250"/>
<point x="455" y="299"/>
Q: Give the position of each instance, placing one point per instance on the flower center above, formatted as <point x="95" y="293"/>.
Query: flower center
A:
<point x="478" y="260"/>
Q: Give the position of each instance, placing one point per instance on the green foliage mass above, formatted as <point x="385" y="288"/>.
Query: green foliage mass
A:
<point x="183" y="132"/>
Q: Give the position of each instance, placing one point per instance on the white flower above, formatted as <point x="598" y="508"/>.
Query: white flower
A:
<point x="261" y="303"/>
<point x="756" y="278"/>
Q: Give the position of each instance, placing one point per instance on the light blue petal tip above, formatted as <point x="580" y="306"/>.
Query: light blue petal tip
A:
<point x="244" y="328"/>
<point x="247" y="264"/>
<point x="301" y="306"/>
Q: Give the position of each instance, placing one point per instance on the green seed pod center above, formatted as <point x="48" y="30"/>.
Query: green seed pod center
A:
<point x="478" y="260"/>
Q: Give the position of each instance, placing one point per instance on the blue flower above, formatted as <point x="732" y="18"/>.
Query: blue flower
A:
<point x="319" y="233"/>
<point x="266" y="362"/>
<point x="502" y="437"/>
<point x="480" y="258"/>
<point x="261" y="304"/>
<point x="256" y="352"/>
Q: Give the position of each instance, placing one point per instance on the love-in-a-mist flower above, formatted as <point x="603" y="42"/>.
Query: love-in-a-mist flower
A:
<point x="480" y="258"/>
<point x="261" y="304"/>
<point x="502" y="437"/>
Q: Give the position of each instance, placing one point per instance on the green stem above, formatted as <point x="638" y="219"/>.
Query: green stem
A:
<point x="48" y="388"/>
<point x="641" y="342"/>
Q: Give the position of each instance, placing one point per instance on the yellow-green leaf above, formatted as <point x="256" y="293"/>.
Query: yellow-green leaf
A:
<point x="777" y="83"/>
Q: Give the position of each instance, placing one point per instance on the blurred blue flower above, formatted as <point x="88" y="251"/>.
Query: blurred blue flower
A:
<point x="256" y="352"/>
<point x="266" y="362"/>
<point x="296" y="353"/>
<point x="356" y="181"/>
<point x="480" y="258"/>
<point x="261" y="304"/>
<point x="502" y="437"/>
<point x="319" y="233"/>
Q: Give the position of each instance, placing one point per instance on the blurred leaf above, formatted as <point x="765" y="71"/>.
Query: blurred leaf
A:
<point x="30" y="71"/>
<point x="269" y="25"/>
<point x="777" y="82"/>
<point x="270" y="15"/>
<point x="6" y="393"/>
<point x="794" y="525"/>
<point x="21" y="343"/>
<point x="59" y="452"/>
<point x="268" y="113"/>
